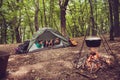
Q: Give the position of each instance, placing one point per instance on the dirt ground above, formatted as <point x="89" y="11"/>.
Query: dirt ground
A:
<point x="56" y="64"/>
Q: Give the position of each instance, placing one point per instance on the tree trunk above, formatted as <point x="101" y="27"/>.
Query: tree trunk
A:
<point x="63" y="20"/>
<point x="116" y="18"/>
<point x="111" y="21"/>
<point x="3" y="30"/>
<point x="41" y="19"/>
<point x="17" y="20"/>
<point x="17" y="32"/>
<point x="36" y="15"/>
<point x="63" y="4"/>
<point x="55" y="23"/>
<point x="51" y="13"/>
<point x="12" y="34"/>
<point x="45" y="18"/>
<point x="1" y="2"/>
<point x="17" y="35"/>
<point x="92" y="18"/>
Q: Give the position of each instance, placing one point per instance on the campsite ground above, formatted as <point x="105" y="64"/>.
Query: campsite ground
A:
<point x="56" y="64"/>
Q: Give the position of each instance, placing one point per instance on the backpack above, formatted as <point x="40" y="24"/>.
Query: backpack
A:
<point x="22" y="48"/>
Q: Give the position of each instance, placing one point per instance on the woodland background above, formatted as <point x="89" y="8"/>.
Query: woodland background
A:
<point x="20" y="19"/>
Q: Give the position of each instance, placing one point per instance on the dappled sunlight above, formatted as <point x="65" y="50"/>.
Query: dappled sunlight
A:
<point x="24" y="70"/>
<point x="11" y="59"/>
<point x="52" y="68"/>
<point x="66" y="64"/>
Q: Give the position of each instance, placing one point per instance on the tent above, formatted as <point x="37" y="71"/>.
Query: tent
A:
<point x="47" y="34"/>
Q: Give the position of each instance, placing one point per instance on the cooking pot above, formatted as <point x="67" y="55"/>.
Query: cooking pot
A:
<point x="93" y="41"/>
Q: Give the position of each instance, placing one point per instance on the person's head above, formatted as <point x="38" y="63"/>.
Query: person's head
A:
<point x="40" y="41"/>
<point x="57" y="41"/>
<point x="51" y="40"/>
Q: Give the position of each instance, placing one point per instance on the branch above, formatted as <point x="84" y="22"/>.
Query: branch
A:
<point x="1" y="2"/>
<point x="66" y="3"/>
<point x="63" y="3"/>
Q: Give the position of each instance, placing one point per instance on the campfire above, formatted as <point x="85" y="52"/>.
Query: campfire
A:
<point x="94" y="60"/>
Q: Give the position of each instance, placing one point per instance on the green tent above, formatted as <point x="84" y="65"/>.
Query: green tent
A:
<point x="47" y="34"/>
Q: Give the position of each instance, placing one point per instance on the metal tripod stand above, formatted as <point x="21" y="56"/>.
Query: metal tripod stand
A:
<point x="105" y="45"/>
<point x="104" y="42"/>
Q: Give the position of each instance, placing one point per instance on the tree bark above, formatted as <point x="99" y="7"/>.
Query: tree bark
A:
<point x="63" y="5"/>
<point x="17" y="32"/>
<point x="36" y="15"/>
<point x="3" y="30"/>
<point x="12" y="34"/>
<point x="51" y="13"/>
<point x="111" y="21"/>
<point x="17" y="35"/>
<point x="55" y="23"/>
<point x="41" y="19"/>
<point x="1" y="2"/>
<point x="17" y="20"/>
<point x="92" y="18"/>
<point x="116" y="18"/>
<point x="45" y="18"/>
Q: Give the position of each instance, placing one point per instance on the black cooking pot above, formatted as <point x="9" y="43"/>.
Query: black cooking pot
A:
<point x="93" y="41"/>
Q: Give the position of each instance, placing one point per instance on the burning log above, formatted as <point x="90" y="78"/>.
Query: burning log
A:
<point x="109" y="59"/>
<point x="93" y="61"/>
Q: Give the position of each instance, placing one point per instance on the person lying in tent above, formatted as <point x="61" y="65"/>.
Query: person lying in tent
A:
<point x="40" y="44"/>
<point x="46" y="43"/>
<point x="57" y="41"/>
<point x="37" y="45"/>
<point x="51" y="43"/>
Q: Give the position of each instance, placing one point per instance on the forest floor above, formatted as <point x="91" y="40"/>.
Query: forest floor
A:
<point x="56" y="64"/>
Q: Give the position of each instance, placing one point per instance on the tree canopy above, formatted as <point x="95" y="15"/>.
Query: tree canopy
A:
<point x="19" y="19"/>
